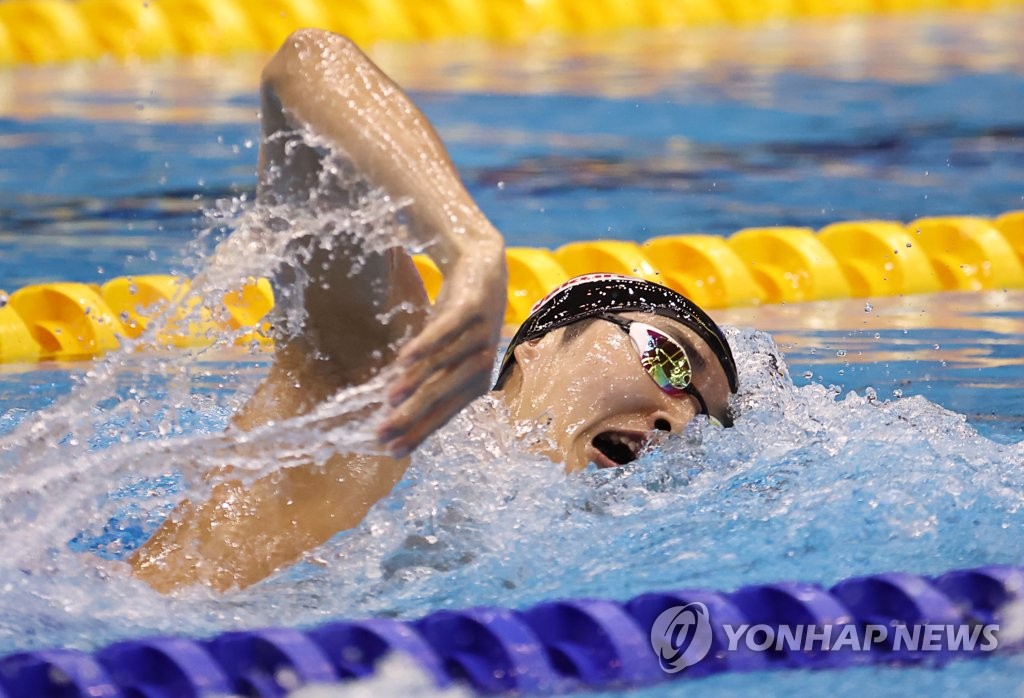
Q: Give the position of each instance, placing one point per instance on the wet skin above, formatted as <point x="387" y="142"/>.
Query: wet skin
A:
<point x="591" y="393"/>
<point x="597" y="402"/>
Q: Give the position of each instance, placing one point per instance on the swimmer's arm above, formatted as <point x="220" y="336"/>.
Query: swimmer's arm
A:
<point x="243" y="533"/>
<point x="322" y="82"/>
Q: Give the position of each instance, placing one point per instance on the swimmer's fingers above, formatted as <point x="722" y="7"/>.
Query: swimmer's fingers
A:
<point x="449" y="363"/>
<point x="435" y="402"/>
<point x="454" y="347"/>
<point x="467" y="320"/>
<point x="470" y="309"/>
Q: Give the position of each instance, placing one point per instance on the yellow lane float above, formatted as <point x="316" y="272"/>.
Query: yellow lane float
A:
<point x="128" y="28"/>
<point x="47" y="31"/>
<point x="753" y="266"/>
<point x="7" y="52"/>
<point x="879" y="258"/>
<point x="790" y="264"/>
<point x="705" y="269"/>
<point x="430" y="274"/>
<point x="1011" y="225"/>
<point x="611" y="256"/>
<point x="969" y="254"/>
<point x="16" y="342"/>
<point x="41" y="31"/>
<point x="532" y="273"/>
<point x="67" y="320"/>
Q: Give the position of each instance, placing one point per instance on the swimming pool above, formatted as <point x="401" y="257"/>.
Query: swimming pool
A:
<point x="629" y="140"/>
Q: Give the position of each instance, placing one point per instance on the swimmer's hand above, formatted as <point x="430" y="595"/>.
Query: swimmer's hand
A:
<point x="448" y="365"/>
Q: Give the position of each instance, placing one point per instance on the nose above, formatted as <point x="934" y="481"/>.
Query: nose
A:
<point x="664" y="421"/>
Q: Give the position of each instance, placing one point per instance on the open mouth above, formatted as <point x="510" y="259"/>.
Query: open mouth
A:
<point x="613" y="448"/>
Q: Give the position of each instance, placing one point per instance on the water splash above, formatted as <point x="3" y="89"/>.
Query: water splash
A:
<point x="392" y="677"/>
<point x="810" y="484"/>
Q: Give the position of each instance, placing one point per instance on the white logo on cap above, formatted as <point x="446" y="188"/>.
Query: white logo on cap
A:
<point x="578" y="280"/>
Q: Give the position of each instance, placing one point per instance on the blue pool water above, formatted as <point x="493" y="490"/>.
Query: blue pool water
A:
<point x="104" y="170"/>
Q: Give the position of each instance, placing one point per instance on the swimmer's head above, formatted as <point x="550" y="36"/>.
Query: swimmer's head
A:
<point x="609" y="362"/>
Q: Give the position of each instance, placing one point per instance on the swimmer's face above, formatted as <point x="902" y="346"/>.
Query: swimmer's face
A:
<point x="599" y="403"/>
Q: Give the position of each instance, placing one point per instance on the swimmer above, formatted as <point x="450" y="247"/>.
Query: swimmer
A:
<point x="604" y="362"/>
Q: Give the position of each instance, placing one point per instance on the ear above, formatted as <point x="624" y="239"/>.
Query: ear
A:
<point x="526" y="352"/>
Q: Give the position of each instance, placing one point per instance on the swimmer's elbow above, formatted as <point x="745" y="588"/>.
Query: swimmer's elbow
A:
<point x="304" y="52"/>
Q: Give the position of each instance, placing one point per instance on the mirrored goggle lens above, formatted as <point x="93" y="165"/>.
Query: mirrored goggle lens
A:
<point x="661" y="356"/>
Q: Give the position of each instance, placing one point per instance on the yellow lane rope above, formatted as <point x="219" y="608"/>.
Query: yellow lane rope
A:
<point x="855" y="259"/>
<point x="47" y="31"/>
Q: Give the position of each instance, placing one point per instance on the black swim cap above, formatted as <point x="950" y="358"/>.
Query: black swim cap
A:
<point x="597" y="294"/>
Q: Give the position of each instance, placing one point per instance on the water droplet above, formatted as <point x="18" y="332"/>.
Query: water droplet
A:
<point x="808" y="375"/>
<point x="936" y="347"/>
<point x="3" y="299"/>
<point x="841" y="353"/>
<point x="910" y="244"/>
<point x="897" y="393"/>
<point x="868" y="307"/>
<point x="501" y="185"/>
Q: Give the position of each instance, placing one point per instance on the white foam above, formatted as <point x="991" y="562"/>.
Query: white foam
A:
<point x="392" y="676"/>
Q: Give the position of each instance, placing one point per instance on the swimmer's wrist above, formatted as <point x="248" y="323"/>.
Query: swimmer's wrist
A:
<point x="481" y="245"/>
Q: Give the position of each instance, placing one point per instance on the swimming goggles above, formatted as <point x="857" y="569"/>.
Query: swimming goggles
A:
<point x="663" y="358"/>
<point x="599" y="295"/>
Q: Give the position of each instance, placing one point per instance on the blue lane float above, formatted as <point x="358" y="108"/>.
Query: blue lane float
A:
<point x="557" y="646"/>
